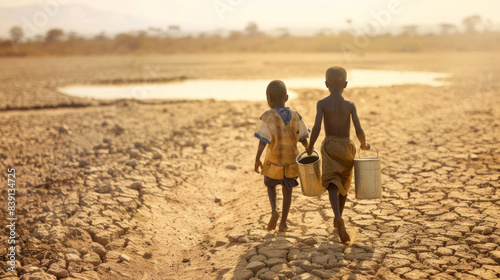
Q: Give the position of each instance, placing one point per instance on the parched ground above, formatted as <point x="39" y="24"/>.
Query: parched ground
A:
<point x="166" y="190"/>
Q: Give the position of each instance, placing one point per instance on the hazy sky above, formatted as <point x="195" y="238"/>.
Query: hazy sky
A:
<point x="235" y="14"/>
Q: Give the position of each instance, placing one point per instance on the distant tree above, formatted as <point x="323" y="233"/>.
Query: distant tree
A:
<point x="16" y="34"/>
<point x="471" y="22"/>
<point x="129" y="41"/>
<point x="283" y="32"/>
<point x="100" y="37"/>
<point x="72" y="36"/>
<point x="447" y="28"/>
<point x="252" y="29"/>
<point x="410" y="30"/>
<point x="411" y="45"/>
<point x="235" y="35"/>
<point x="38" y="38"/>
<point x="175" y="28"/>
<point x="154" y="29"/>
<point x="54" y="35"/>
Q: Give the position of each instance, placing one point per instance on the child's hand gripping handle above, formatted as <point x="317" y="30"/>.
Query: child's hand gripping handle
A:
<point x="310" y="150"/>
<point x="368" y="146"/>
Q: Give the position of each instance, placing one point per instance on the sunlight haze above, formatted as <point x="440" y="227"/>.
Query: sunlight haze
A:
<point x="203" y="15"/>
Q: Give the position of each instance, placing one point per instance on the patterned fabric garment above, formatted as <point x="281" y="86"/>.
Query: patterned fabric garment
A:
<point x="282" y="141"/>
<point x="285" y="114"/>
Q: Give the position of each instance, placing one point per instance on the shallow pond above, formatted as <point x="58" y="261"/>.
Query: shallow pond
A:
<point x="247" y="89"/>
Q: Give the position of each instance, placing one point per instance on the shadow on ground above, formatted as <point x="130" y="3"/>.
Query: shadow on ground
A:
<point x="289" y="256"/>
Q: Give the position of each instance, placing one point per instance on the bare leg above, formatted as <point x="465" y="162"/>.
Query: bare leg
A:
<point x="342" y="200"/>
<point x="287" y="201"/>
<point x="333" y="194"/>
<point x="338" y="221"/>
<point x="271" y="193"/>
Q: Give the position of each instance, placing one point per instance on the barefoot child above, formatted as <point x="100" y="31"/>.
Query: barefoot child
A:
<point x="337" y="150"/>
<point x="281" y="128"/>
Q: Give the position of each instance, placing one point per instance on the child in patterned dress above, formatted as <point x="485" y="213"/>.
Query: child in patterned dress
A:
<point x="280" y="129"/>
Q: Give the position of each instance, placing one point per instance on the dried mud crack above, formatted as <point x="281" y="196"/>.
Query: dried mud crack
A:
<point x="166" y="190"/>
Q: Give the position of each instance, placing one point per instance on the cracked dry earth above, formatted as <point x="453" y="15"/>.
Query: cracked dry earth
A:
<point x="167" y="191"/>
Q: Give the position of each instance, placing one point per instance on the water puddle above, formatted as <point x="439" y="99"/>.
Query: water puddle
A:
<point x="252" y="90"/>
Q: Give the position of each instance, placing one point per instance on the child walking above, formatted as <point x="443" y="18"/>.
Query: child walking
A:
<point x="280" y="129"/>
<point x="337" y="150"/>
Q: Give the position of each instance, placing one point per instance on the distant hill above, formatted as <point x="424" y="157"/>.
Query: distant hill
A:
<point x="71" y="17"/>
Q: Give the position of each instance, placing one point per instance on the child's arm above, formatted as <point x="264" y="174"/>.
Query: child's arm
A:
<point x="359" y="131"/>
<point x="260" y="149"/>
<point x="316" y="128"/>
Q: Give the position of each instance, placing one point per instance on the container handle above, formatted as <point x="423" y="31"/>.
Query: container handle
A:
<point x="300" y="155"/>
<point x="359" y="154"/>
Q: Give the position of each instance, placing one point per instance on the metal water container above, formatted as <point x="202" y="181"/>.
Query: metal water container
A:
<point x="367" y="177"/>
<point x="310" y="174"/>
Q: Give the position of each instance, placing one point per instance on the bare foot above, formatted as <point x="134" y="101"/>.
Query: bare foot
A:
<point x="272" y="222"/>
<point x="344" y="237"/>
<point x="284" y="228"/>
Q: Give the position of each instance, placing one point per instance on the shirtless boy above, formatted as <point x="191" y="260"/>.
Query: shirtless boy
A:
<point x="280" y="129"/>
<point x="337" y="150"/>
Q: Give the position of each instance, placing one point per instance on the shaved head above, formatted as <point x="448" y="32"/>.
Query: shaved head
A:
<point x="276" y="90"/>
<point x="336" y="74"/>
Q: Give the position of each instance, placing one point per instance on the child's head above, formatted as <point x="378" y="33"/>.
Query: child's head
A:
<point x="276" y="94"/>
<point x="336" y="78"/>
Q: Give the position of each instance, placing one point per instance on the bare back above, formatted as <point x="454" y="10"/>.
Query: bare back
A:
<point x="336" y="115"/>
<point x="336" y="111"/>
